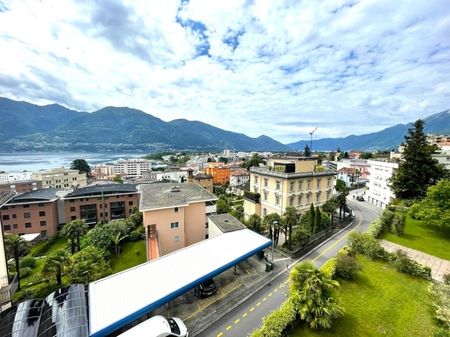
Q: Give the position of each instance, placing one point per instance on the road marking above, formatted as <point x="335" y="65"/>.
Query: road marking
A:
<point x="286" y="282"/>
<point x="237" y="321"/>
<point x="220" y="334"/>
<point x="264" y="299"/>
<point x="251" y="309"/>
<point x="334" y="244"/>
<point x="228" y="327"/>
<point x="244" y="314"/>
<point x="258" y="304"/>
<point x="270" y="294"/>
<point x="276" y="289"/>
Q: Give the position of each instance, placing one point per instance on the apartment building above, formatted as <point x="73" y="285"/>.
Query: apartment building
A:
<point x="204" y="180"/>
<point x="379" y="191"/>
<point x="61" y="178"/>
<point x="100" y="203"/>
<point x="174" y="216"/>
<point x="15" y="176"/>
<point x="32" y="212"/>
<point x="5" y="294"/>
<point x="288" y="182"/>
<point x="21" y="186"/>
<point x="132" y="168"/>
<point x="220" y="173"/>
<point x="239" y="177"/>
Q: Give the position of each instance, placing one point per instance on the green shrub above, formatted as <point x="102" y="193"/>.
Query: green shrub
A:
<point x="28" y="261"/>
<point x="441" y="333"/>
<point x="408" y="266"/>
<point x="300" y="236"/>
<point x="329" y="267"/>
<point x="440" y="295"/>
<point x="347" y="267"/>
<point x="398" y="224"/>
<point x="364" y="243"/>
<point x="276" y="323"/>
<point x="40" y="251"/>
<point x="26" y="271"/>
<point x="386" y="219"/>
<point x="375" y="228"/>
<point x="137" y="234"/>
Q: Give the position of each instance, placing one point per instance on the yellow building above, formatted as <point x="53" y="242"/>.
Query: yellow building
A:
<point x="288" y="182"/>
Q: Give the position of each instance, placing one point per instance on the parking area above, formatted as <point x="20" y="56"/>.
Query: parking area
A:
<point x="233" y="286"/>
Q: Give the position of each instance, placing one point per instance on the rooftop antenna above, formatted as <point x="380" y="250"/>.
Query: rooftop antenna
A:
<point x="311" y="134"/>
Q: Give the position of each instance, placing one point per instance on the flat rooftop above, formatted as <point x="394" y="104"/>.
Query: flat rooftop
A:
<point x="118" y="300"/>
<point x="164" y="195"/>
<point x="226" y="222"/>
<point x="102" y="189"/>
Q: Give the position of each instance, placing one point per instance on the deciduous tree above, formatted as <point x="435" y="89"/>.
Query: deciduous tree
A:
<point x="54" y="265"/>
<point x="81" y="165"/>
<point x="87" y="265"/>
<point x="73" y="231"/>
<point x="16" y="247"/>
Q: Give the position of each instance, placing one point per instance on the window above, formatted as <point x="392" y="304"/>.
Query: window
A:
<point x="26" y="206"/>
<point x="309" y="184"/>
<point x="264" y="211"/>
<point x="308" y="198"/>
<point x="43" y="234"/>
<point x="73" y="209"/>
<point x="265" y="182"/>
<point x="73" y="217"/>
<point x="291" y="186"/>
<point x="117" y="210"/>
<point x="43" y="223"/>
<point x="277" y="199"/>
<point x="5" y="217"/>
<point x="265" y="195"/>
<point x="300" y="185"/>
<point x="256" y="179"/>
<point x="15" y="225"/>
<point x="278" y="184"/>
<point x="177" y="238"/>
<point x="88" y="213"/>
<point x="329" y="182"/>
<point x="14" y="216"/>
<point x="27" y="224"/>
<point x="71" y="200"/>
<point x="318" y="183"/>
<point x="41" y="205"/>
<point x="300" y="199"/>
<point x="26" y="215"/>
<point x="101" y="214"/>
<point x="317" y="197"/>
<point x="291" y="201"/>
<point x="41" y="213"/>
<point x="174" y="225"/>
<point x="7" y="227"/>
<point x="130" y="203"/>
<point x="175" y="209"/>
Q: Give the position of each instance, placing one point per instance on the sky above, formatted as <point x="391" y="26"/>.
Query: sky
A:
<point x="279" y="68"/>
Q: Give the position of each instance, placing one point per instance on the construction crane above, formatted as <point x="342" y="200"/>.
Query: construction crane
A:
<point x="311" y="134"/>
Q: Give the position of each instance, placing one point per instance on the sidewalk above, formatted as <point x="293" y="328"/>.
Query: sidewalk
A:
<point x="439" y="267"/>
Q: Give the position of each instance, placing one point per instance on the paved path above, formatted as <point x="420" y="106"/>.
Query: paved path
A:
<point x="439" y="267"/>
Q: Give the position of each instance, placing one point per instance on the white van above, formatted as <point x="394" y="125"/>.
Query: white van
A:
<point x="158" y="326"/>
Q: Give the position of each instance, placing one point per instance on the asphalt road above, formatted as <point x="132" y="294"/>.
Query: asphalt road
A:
<point x="247" y="317"/>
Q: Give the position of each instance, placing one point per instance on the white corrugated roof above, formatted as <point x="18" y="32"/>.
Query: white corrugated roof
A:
<point x="121" y="298"/>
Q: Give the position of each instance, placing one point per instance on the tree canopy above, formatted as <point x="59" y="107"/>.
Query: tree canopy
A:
<point x="434" y="209"/>
<point x="81" y="165"/>
<point x="307" y="151"/>
<point x="418" y="170"/>
<point x="255" y="160"/>
<point x="87" y="265"/>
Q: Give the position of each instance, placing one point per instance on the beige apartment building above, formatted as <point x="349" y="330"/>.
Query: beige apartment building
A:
<point x="61" y="178"/>
<point x="174" y="216"/>
<point x="288" y="182"/>
<point x="4" y="284"/>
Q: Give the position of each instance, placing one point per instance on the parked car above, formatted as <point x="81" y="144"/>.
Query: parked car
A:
<point x="205" y="289"/>
<point x="360" y="198"/>
<point x="158" y="326"/>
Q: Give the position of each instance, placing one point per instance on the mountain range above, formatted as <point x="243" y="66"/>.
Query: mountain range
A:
<point x="29" y="127"/>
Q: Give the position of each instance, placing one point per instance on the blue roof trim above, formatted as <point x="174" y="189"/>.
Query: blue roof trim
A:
<point x="152" y="306"/>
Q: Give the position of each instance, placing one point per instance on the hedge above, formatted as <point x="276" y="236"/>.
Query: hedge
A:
<point x="277" y="322"/>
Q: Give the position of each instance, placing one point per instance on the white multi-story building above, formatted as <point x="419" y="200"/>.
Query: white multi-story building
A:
<point x="443" y="156"/>
<point x="179" y="176"/>
<point x="132" y="167"/>
<point x="15" y="176"/>
<point x="239" y="177"/>
<point x="381" y="173"/>
<point x="61" y="178"/>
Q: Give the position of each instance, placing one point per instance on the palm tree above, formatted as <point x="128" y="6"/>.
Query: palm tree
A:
<point x="291" y="218"/>
<point x="310" y="291"/>
<point x="55" y="263"/>
<point x="254" y="223"/>
<point x="117" y="239"/>
<point x="73" y="231"/>
<point x="16" y="246"/>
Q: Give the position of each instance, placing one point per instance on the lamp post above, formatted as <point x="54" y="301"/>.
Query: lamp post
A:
<point x="275" y="223"/>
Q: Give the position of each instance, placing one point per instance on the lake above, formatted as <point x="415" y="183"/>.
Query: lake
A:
<point x="33" y="161"/>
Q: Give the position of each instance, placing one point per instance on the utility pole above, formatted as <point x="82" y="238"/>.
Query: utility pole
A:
<point x="311" y="134"/>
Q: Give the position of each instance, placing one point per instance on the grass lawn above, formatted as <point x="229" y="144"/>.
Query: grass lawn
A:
<point x="132" y="254"/>
<point x="420" y="237"/>
<point x="381" y="302"/>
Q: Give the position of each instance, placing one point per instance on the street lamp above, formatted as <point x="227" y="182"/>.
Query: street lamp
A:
<point x="275" y="223"/>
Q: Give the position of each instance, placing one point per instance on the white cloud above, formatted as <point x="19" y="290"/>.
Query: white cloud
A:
<point x="278" y="68"/>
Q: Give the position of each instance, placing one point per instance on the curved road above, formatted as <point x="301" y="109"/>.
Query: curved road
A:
<point x="247" y="317"/>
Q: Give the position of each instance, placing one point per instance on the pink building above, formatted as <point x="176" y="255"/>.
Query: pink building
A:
<point x="175" y="216"/>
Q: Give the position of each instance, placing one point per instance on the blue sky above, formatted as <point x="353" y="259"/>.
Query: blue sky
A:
<point x="279" y="68"/>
